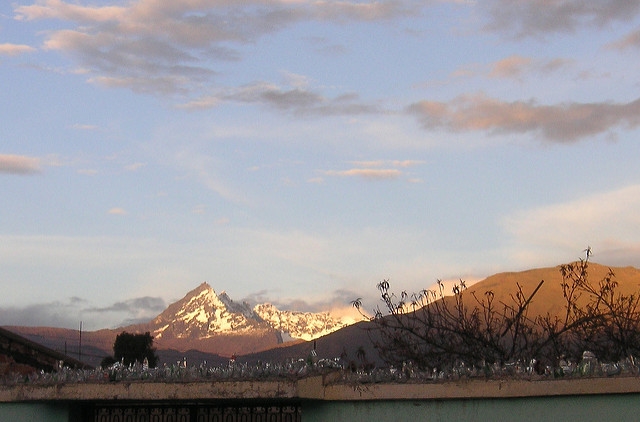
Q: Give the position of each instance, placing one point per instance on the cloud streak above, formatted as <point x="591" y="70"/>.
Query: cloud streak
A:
<point x="631" y="40"/>
<point x="51" y="314"/>
<point x="19" y="164"/>
<point x="372" y="170"/>
<point x="516" y="66"/>
<point x="69" y="312"/>
<point x="367" y="173"/>
<point x="529" y="18"/>
<point x="8" y="49"/>
<point x="174" y="47"/>
<point x="297" y="100"/>
<point x="601" y="220"/>
<point x="136" y="305"/>
<point x="562" y="123"/>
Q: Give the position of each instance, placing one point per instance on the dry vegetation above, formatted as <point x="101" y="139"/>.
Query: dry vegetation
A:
<point x="535" y="323"/>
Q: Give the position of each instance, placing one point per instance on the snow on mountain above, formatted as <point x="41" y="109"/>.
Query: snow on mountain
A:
<point x="203" y="314"/>
<point x="300" y="325"/>
<point x="239" y="308"/>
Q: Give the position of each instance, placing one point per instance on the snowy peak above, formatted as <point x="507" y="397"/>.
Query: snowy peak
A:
<point x="302" y="325"/>
<point x="203" y="314"/>
<point x="239" y="308"/>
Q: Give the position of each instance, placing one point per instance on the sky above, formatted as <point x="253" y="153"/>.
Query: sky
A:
<point x="300" y="151"/>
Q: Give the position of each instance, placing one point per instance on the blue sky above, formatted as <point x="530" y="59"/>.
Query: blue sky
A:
<point x="300" y="151"/>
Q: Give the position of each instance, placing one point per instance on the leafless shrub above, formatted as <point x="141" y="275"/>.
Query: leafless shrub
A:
<point x="434" y="330"/>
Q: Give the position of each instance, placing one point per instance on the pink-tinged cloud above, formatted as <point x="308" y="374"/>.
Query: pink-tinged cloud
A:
<point x="8" y="49"/>
<point x="367" y="173"/>
<point x="19" y="164"/>
<point x="565" y="122"/>
<point x="57" y="9"/>
<point x="631" y="40"/>
<point x="510" y="67"/>
<point x="167" y="47"/>
<point x="382" y="163"/>
<point x="117" y="211"/>
<point x="407" y="163"/>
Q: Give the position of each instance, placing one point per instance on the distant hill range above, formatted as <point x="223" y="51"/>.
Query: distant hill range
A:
<point x="204" y="326"/>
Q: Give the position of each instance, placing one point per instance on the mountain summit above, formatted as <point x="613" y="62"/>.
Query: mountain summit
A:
<point x="203" y="314"/>
<point x="209" y="321"/>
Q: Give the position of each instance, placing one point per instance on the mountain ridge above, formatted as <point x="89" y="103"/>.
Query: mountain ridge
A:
<point x="266" y="343"/>
<point x="203" y="321"/>
<point x="202" y="314"/>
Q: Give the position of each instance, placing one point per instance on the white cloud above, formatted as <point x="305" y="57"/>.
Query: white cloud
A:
<point x="373" y="169"/>
<point x="367" y="173"/>
<point x="608" y="222"/>
<point x="135" y="166"/>
<point x="382" y="163"/>
<point x="407" y="163"/>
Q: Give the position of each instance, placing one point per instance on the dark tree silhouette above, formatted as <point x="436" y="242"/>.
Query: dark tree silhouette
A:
<point x="130" y="348"/>
<point x="107" y="361"/>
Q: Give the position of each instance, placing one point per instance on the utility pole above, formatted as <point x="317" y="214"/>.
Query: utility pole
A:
<point x="80" y="344"/>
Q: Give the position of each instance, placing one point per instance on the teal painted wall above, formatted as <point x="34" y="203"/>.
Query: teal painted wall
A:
<point x="34" y="412"/>
<point x="598" y="408"/>
<point x="570" y="408"/>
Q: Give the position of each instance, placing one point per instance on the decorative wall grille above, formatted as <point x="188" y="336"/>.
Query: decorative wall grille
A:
<point x="195" y="413"/>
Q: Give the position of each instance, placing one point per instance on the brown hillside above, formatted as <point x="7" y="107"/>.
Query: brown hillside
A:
<point x="343" y="343"/>
<point x="347" y="341"/>
<point x="549" y="298"/>
<point x="95" y="344"/>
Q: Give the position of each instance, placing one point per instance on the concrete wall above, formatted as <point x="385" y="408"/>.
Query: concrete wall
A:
<point x="535" y="409"/>
<point x="588" y="399"/>
<point x="36" y="412"/>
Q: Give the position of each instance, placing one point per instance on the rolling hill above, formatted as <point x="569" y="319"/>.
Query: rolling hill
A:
<point x="204" y="326"/>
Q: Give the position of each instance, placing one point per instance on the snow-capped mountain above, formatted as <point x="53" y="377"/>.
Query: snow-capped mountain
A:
<point x="299" y="325"/>
<point x="204" y="316"/>
<point x="201" y="323"/>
